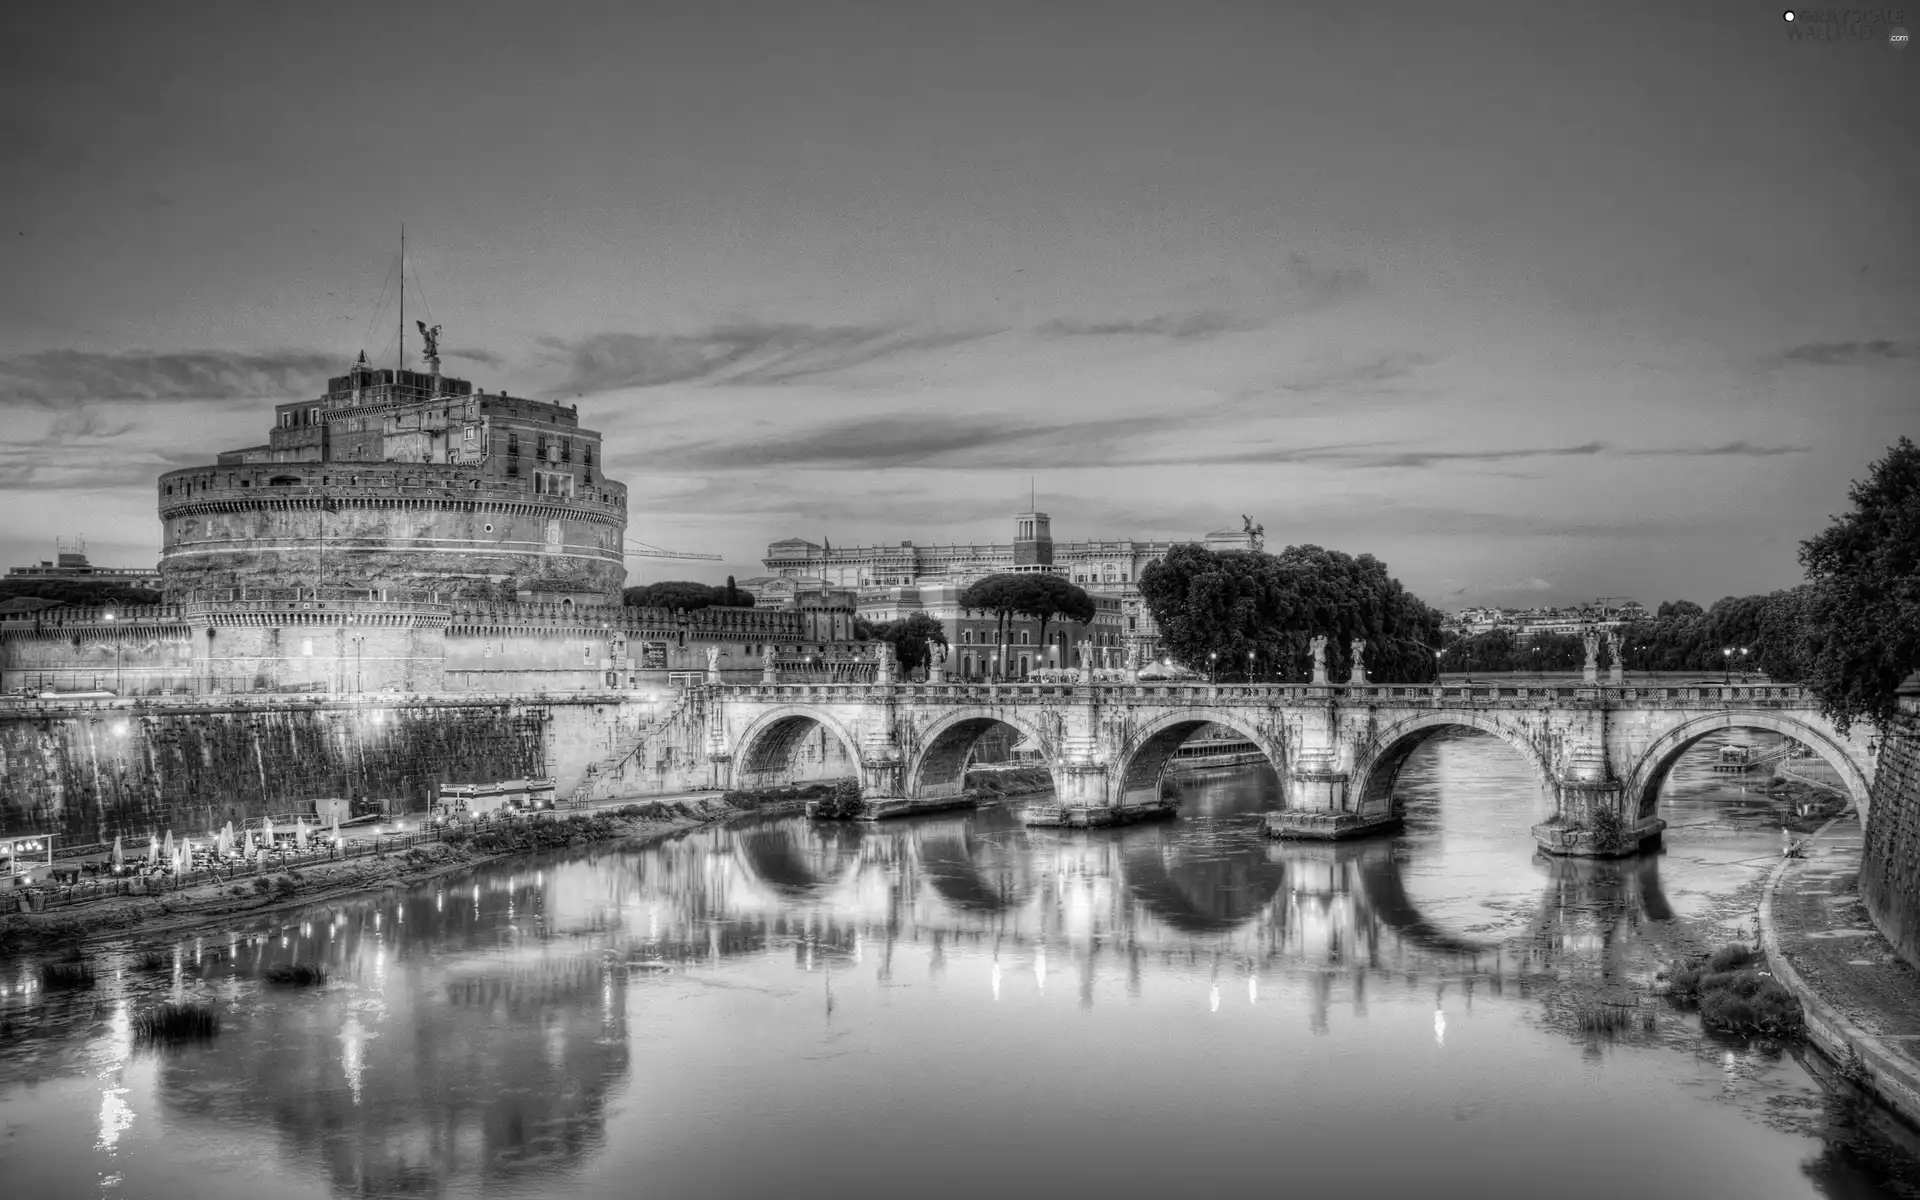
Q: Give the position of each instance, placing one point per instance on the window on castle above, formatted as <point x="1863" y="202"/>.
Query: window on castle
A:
<point x="566" y="450"/>
<point x="540" y="447"/>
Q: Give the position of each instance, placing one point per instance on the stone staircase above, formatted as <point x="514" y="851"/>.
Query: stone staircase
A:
<point x="685" y="708"/>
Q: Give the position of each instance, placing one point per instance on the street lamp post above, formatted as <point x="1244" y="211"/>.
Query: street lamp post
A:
<point x="116" y="661"/>
<point x="1213" y="665"/>
<point x="1726" y="666"/>
<point x="1249" y="666"/>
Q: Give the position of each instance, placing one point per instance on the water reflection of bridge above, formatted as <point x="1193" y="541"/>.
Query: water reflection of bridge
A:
<point x="981" y="879"/>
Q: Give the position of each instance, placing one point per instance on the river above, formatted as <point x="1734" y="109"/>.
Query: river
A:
<point x="957" y="1006"/>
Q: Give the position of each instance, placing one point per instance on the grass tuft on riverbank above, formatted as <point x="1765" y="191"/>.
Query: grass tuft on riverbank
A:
<point x="66" y="976"/>
<point x="177" y="1023"/>
<point x="297" y="975"/>
<point x="1601" y="1016"/>
<point x="1017" y="781"/>
<point x="1735" y="994"/>
<point x="791" y="795"/>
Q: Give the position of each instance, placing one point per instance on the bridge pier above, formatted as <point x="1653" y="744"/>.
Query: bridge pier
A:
<point x="1320" y="808"/>
<point x="1594" y="817"/>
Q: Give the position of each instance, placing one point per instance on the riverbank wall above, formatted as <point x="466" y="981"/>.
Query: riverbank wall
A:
<point x="1890" y="870"/>
<point x="1861" y="1000"/>
<point x="88" y="771"/>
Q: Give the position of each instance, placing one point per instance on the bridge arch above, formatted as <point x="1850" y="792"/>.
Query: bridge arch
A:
<point x="767" y="747"/>
<point x="807" y="861"/>
<point x="1651" y="771"/>
<point x="940" y="766"/>
<point x="1143" y="760"/>
<point x="1378" y="766"/>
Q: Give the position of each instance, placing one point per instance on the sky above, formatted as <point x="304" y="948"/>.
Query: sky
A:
<point x="1534" y="302"/>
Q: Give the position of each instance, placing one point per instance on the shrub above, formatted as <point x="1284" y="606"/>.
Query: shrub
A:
<point x="297" y="974"/>
<point x="1749" y="1002"/>
<point x="284" y="885"/>
<point x="66" y="976"/>
<point x="1683" y="979"/>
<point x="262" y="884"/>
<point x="1735" y="995"/>
<point x="177" y="1023"/>
<point x="1609" y="831"/>
<point x="153" y="960"/>
<point x="843" y="802"/>
<point x="1730" y="957"/>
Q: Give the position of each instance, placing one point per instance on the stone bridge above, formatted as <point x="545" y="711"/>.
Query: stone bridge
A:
<point x="1600" y="751"/>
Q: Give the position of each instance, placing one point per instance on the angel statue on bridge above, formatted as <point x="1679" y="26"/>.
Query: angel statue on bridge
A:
<point x="431" y="337"/>
<point x="766" y="656"/>
<point x="1591" y="640"/>
<point x="713" y="658"/>
<point x="1319" y="645"/>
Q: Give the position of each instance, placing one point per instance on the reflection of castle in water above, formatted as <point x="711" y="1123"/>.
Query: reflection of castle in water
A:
<point x="432" y="1067"/>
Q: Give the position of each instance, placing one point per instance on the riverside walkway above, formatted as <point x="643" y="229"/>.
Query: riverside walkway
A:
<point x="1862" y="999"/>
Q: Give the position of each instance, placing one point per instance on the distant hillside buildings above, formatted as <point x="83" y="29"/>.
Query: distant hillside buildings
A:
<point x="895" y="581"/>
<point x="1525" y="623"/>
<point x="70" y="565"/>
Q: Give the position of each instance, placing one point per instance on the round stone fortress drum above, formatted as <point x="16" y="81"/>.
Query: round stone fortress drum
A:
<point x="402" y="480"/>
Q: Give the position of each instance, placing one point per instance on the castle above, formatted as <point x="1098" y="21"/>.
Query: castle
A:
<point x="403" y="532"/>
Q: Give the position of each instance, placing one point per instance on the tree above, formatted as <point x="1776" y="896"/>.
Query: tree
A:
<point x="733" y="594"/>
<point x="81" y="593"/>
<point x="1055" y="596"/>
<point x="1780" y="645"/>
<point x="1004" y="595"/>
<point x="1862" y="617"/>
<point x="1213" y="609"/>
<point x="681" y="593"/>
<point x="911" y="638"/>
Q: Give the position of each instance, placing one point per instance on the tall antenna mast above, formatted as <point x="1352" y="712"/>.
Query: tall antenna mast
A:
<point x="403" y="295"/>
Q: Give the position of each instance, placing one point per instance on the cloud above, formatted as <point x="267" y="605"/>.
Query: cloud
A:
<point x="1179" y="327"/>
<point x="56" y="376"/>
<point x="485" y="358"/>
<point x="1832" y="354"/>
<point x="743" y="354"/>
<point x="1322" y="286"/>
<point x="1536" y="584"/>
<point x="911" y="440"/>
<point x="1346" y="377"/>
<point x="1366" y="455"/>
<point x="1730" y="450"/>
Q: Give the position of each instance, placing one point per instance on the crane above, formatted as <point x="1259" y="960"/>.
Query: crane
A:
<point x="642" y="550"/>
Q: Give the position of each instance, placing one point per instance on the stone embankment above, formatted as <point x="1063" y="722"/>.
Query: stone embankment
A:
<point x="119" y="916"/>
<point x="1862" y="1000"/>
